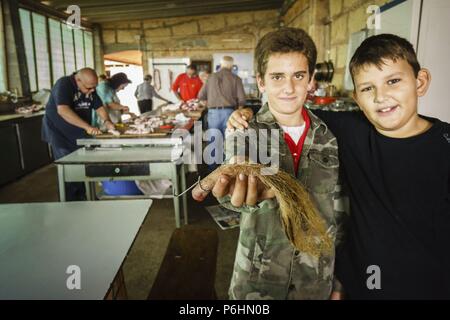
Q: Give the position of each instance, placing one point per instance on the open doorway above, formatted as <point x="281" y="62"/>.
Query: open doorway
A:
<point x="164" y="72"/>
<point x="202" y="65"/>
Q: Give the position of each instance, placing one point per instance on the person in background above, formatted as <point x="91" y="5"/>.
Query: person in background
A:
<point x="102" y="78"/>
<point x="107" y="91"/>
<point x="144" y="94"/>
<point x="222" y="94"/>
<point x="68" y="116"/>
<point x="187" y="85"/>
<point x="203" y="75"/>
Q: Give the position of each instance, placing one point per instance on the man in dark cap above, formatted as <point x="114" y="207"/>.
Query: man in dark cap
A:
<point x="107" y="91"/>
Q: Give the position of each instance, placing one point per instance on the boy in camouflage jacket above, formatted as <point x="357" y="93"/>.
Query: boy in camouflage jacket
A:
<point x="267" y="266"/>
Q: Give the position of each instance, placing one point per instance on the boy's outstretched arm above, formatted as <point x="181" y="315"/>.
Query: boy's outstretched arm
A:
<point x="242" y="189"/>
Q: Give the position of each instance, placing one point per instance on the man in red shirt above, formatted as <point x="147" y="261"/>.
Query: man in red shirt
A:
<point x="187" y="85"/>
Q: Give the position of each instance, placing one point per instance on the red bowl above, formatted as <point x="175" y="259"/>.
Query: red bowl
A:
<point x="167" y="126"/>
<point x="324" y="100"/>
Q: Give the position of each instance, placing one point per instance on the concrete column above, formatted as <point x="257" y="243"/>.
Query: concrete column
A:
<point x="14" y="80"/>
<point x="98" y="50"/>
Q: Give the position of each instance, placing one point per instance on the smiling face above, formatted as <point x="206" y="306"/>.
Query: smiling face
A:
<point x="389" y="97"/>
<point x="286" y="82"/>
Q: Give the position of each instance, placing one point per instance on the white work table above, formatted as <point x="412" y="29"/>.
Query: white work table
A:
<point x="125" y="163"/>
<point x="123" y="154"/>
<point x="39" y="241"/>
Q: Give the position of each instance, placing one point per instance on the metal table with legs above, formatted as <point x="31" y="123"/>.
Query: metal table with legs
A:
<point x="90" y="165"/>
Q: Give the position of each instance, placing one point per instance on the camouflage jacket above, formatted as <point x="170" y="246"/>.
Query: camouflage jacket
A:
<point x="267" y="266"/>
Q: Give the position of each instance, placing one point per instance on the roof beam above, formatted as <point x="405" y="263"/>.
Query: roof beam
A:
<point x="108" y="10"/>
<point x="162" y="3"/>
<point x="195" y="6"/>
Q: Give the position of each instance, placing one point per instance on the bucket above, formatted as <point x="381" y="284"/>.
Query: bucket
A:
<point x="121" y="188"/>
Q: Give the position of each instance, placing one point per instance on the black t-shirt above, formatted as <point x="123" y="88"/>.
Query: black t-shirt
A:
<point x="56" y="130"/>
<point x="399" y="220"/>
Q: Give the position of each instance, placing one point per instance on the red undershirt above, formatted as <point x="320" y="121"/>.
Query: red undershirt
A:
<point x="296" y="149"/>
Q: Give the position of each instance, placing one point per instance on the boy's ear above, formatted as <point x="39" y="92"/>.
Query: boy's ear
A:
<point x="260" y="83"/>
<point x="423" y="82"/>
<point x="311" y="82"/>
<point x="354" y="96"/>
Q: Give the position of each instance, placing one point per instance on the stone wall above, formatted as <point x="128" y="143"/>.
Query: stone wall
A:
<point x="310" y="15"/>
<point x="330" y="23"/>
<point x="347" y="17"/>
<point x="197" y="37"/>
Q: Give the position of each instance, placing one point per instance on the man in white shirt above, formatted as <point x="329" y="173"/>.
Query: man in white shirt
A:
<point x="144" y="94"/>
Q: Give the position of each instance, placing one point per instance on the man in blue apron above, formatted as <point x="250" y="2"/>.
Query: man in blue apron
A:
<point x="68" y="118"/>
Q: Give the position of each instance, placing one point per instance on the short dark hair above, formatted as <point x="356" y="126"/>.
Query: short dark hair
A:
<point x="375" y="49"/>
<point x="192" y="66"/>
<point x="118" y="79"/>
<point x="285" y="40"/>
<point x="148" y="78"/>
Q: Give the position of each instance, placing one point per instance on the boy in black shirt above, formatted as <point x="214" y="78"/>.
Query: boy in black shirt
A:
<point x="397" y="166"/>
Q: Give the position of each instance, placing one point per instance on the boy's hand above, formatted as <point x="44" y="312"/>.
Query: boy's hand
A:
<point x="336" y="295"/>
<point x="243" y="189"/>
<point x="338" y="290"/>
<point x="239" y="119"/>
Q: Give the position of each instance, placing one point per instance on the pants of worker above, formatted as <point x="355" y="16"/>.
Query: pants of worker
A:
<point x="145" y="105"/>
<point x="217" y="119"/>
<point x="75" y="191"/>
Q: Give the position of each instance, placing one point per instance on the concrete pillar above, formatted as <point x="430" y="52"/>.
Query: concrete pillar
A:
<point x="320" y="11"/>
<point x="3" y="69"/>
<point x="98" y="50"/>
<point x="14" y="79"/>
